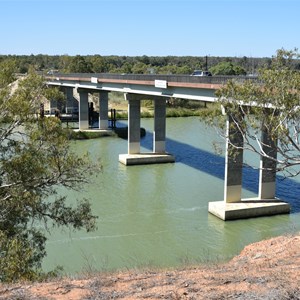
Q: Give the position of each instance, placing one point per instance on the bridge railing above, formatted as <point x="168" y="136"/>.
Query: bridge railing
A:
<point x="152" y="77"/>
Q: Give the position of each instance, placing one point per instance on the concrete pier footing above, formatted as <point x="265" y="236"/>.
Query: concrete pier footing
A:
<point x="146" y="158"/>
<point x="248" y="208"/>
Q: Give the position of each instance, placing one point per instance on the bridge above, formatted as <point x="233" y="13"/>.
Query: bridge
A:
<point x="159" y="88"/>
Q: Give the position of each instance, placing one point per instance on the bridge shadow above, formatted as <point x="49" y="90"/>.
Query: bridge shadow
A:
<point x="286" y="189"/>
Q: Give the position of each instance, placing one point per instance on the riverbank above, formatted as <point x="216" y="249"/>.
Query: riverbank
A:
<point x="269" y="269"/>
<point x="177" y="108"/>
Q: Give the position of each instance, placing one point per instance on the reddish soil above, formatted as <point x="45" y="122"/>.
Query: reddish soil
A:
<point x="269" y="269"/>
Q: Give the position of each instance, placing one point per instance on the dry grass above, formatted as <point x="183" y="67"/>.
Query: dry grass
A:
<point x="266" y="270"/>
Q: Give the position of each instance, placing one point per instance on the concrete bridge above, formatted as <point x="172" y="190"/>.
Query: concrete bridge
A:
<point x="159" y="88"/>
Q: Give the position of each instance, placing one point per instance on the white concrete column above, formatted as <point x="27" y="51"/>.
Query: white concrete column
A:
<point x="267" y="171"/>
<point x="159" y="135"/>
<point x="83" y="109"/>
<point x="233" y="163"/>
<point x="134" y="123"/>
<point x="103" y="110"/>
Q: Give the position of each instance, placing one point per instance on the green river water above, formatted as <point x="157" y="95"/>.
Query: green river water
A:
<point x="157" y="215"/>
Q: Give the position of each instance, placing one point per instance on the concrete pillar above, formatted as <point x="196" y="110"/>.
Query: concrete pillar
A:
<point x="69" y="100"/>
<point x="233" y="163"/>
<point x="159" y="135"/>
<point x="103" y="110"/>
<point x="233" y="207"/>
<point x="83" y="110"/>
<point x="134" y="123"/>
<point x="267" y="172"/>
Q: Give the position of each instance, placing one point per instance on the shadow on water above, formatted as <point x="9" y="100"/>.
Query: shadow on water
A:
<point x="210" y="163"/>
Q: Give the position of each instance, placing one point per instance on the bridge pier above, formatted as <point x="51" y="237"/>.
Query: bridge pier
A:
<point x="83" y="109"/>
<point x="159" y="134"/>
<point x="103" y="110"/>
<point x="233" y="206"/>
<point x="267" y="174"/>
<point x="134" y="156"/>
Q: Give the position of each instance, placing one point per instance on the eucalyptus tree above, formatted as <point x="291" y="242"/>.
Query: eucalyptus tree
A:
<point x="268" y="105"/>
<point x="35" y="159"/>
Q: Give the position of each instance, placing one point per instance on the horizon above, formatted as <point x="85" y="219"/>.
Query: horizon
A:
<point x="133" y="56"/>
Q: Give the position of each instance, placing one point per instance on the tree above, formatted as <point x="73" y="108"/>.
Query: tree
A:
<point x="35" y="159"/>
<point x="79" y="64"/>
<point x="227" y="68"/>
<point x="99" y="64"/>
<point x="139" y="68"/>
<point x="268" y="106"/>
<point x="64" y="62"/>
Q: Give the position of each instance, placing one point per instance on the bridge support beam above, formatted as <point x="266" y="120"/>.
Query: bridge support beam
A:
<point x="134" y="156"/>
<point x="233" y="206"/>
<point x="103" y="110"/>
<point x="83" y="109"/>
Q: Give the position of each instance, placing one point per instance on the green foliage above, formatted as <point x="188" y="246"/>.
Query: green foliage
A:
<point x="99" y="64"/>
<point x="270" y="104"/>
<point x="84" y="135"/>
<point x="35" y="159"/>
<point x="8" y="67"/>
<point x="227" y="68"/>
<point x="79" y="64"/>
<point x="139" y="68"/>
<point x="127" y="64"/>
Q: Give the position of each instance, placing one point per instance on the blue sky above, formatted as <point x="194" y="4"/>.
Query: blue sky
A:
<point x="253" y="28"/>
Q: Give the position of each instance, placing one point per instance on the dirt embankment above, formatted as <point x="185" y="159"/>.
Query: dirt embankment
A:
<point x="266" y="270"/>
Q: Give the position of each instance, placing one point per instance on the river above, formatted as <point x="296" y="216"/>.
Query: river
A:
<point x="157" y="215"/>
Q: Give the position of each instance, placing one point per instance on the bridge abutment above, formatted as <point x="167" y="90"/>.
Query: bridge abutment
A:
<point x="134" y="156"/>
<point x="233" y="206"/>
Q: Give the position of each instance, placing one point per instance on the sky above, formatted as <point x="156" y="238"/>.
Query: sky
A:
<point x="252" y="28"/>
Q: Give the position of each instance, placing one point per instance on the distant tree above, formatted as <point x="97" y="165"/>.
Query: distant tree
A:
<point x="144" y="59"/>
<point x="64" y="63"/>
<point x="126" y="68"/>
<point x="35" y="159"/>
<point x="79" y="64"/>
<point x="270" y="105"/>
<point x="99" y="64"/>
<point x="184" y="70"/>
<point x="227" y="68"/>
<point x="168" y="69"/>
<point x="139" y="68"/>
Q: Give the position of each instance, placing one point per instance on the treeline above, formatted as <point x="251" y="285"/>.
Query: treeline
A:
<point x="139" y="64"/>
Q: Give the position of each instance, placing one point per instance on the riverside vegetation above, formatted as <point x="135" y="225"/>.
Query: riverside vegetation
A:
<point x="35" y="158"/>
